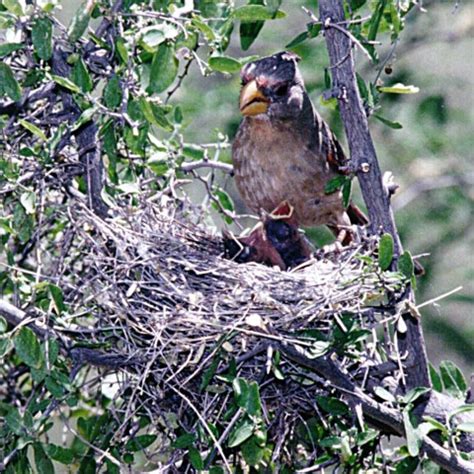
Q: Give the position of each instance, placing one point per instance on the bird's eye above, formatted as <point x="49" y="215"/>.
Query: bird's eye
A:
<point x="281" y="90"/>
<point x="244" y="80"/>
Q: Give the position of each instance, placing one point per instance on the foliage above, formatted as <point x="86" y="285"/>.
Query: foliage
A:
<point x="75" y="98"/>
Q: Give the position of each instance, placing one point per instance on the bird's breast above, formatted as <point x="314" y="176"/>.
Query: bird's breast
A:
<point x="274" y="163"/>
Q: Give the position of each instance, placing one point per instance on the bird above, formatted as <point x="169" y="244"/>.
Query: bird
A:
<point x="284" y="151"/>
<point x="275" y="241"/>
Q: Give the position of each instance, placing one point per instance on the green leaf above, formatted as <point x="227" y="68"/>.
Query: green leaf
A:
<point x="330" y="442"/>
<point x="241" y="433"/>
<point x="60" y="454"/>
<point x="364" y="92"/>
<point x="356" y="4"/>
<point x="254" y="405"/>
<point x="332" y="406"/>
<point x="252" y="451"/>
<point x="178" y="114"/>
<point x="158" y="163"/>
<point x="14" y="421"/>
<point x="81" y="76"/>
<point x="241" y="391"/>
<point x="412" y="436"/>
<point x="334" y="184"/>
<point x="42" y="461"/>
<point x="8" y="84"/>
<point x="436" y="425"/>
<point x="22" y="223"/>
<point x="312" y="31"/>
<point x="3" y="325"/>
<point x="195" y="458"/>
<point x="375" y="20"/>
<point x="27" y="200"/>
<point x="224" y="64"/>
<point x="399" y="88"/>
<point x="8" y="48"/>
<point x="80" y="20"/>
<point x="298" y="40"/>
<point x="389" y="123"/>
<point x="366" y="437"/>
<point x="195" y="152"/>
<point x="55" y="387"/>
<point x="205" y="29"/>
<point x="184" y="441"/>
<point x="407" y="466"/>
<point x="52" y="350"/>
<point x="164" y="68"/>
<point x="152" y="36"/>
<point x="467" y="427"/>
<point x="140" y="442"/>
<point x="346" y="192"/>
<point x="112" y="92"/>
<point x="384" y="394"/>
<point x="224" y="199"/>
<point x="385" y="251"/>
<point x="159" y="112"/>
<point x="453" y="379"/>
<point x="256" y="13"/>
<point x="121" y="50"/>
<point x="414" y="394"/>
<point x="406" y="265"/>
<point x="250" y="30"/>
<point x="17" y="7"/>
<point x="57" y="297"/>
<point x="209" y="373"/>
<point x="27" y="347"/>
<point x="85" y="117"/>
<point x="436" y="380"/>
<point x="33" y="129"/>
<point x="88" y="465"/>
<point x="66" y="83"/>
<point x="42" y="38"/>
<point x="5" y="346"/>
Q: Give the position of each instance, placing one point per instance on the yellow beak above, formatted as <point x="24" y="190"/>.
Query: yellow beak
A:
<point x="252" y="101"/>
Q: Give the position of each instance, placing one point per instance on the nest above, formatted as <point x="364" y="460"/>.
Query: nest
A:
<point x="174" y="317"/>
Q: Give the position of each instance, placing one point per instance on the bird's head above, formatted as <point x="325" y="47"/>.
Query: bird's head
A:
<point x="272" y="86"/>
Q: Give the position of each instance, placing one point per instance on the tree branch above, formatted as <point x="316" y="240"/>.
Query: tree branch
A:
<point x="365" y="162"/>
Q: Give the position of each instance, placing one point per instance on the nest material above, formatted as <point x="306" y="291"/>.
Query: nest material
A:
<point x="162" y="283"/>
<point x="164" y="301"/>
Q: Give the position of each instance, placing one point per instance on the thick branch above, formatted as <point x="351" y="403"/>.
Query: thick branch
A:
<point x="353" y="115"/>
<point x="365" y="162"/>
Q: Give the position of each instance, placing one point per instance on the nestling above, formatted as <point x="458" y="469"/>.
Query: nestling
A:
<point x="276" y="241"/>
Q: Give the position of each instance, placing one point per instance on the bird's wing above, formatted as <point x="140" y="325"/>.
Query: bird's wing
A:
<point x="329" y="146"/>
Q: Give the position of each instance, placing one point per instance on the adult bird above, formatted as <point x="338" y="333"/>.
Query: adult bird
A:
<point x="284" y="151"/>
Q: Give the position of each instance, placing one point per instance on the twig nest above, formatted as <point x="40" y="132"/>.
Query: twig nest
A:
<point x="159" y="287"/>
